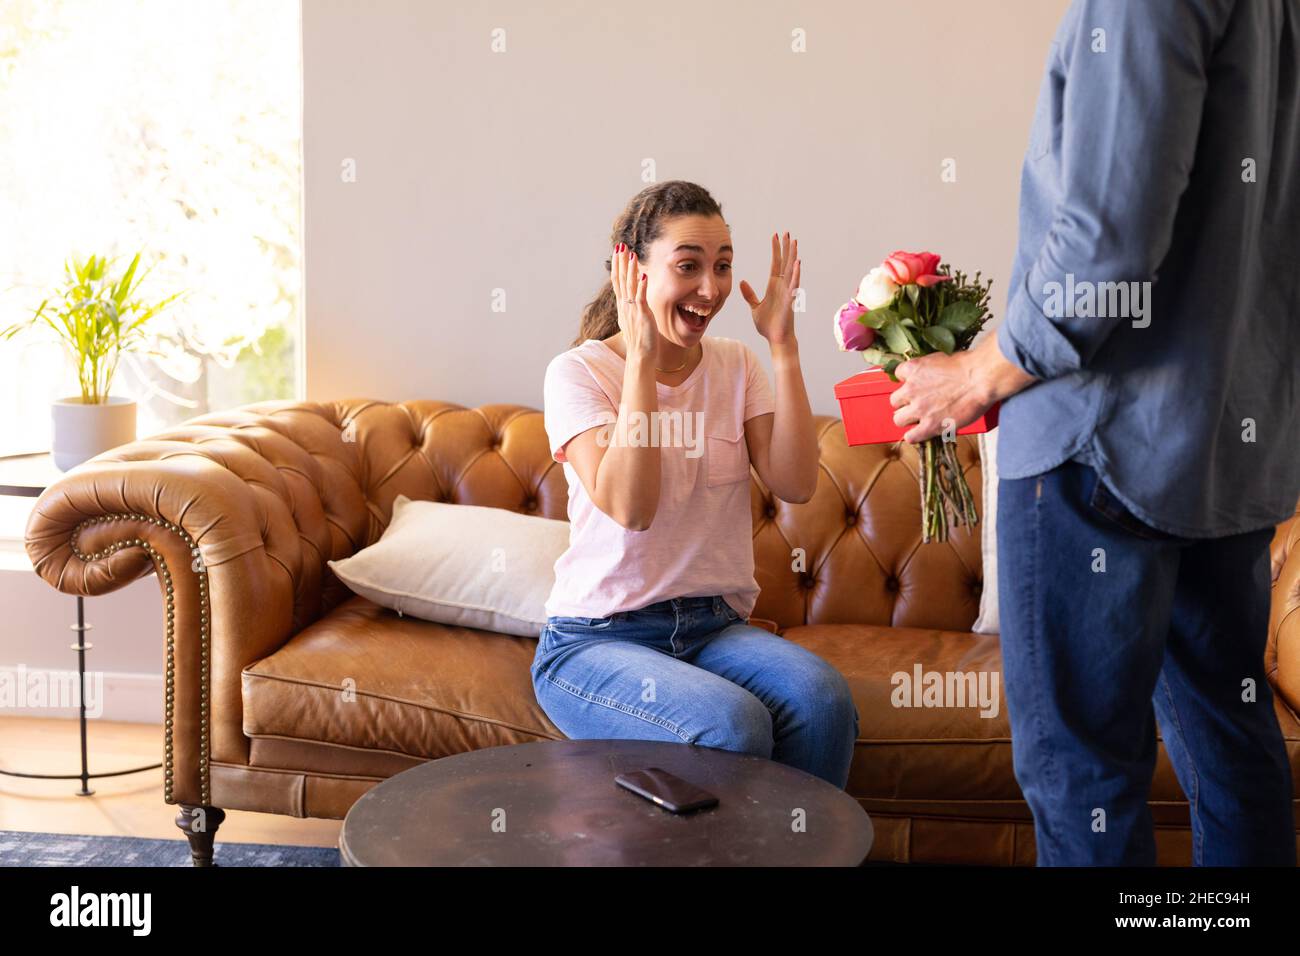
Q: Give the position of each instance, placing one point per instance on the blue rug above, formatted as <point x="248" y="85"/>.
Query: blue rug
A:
<point x="62" y="849"/>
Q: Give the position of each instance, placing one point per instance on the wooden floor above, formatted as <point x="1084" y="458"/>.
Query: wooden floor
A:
<point x="120" y="806"/>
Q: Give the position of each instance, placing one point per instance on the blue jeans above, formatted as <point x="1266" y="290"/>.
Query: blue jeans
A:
<point x="1172" y="628"/>
<point x="689" y="670"/>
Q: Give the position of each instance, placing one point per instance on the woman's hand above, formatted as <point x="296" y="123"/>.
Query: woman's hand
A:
<point x="635" y="320"/>
<point x="774" y="315"/>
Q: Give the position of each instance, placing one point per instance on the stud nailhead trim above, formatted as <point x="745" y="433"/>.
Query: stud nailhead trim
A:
<point x="164" y="575"/>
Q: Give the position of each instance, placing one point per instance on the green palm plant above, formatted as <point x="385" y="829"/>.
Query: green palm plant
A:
<point x="97" y="317"/>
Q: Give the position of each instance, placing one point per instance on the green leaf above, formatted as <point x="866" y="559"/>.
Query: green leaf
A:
<point x="124" y="285"/>
<point x="913" y="292"/>
<point x="896" y="335"/>
<point x="940" y="337"/>
<point x="876" y="318"/>
<point x="914" y="339"/>
<point x="959" y="316"/>
<point x="879" y="356"/>
<point x="890" y="366"/>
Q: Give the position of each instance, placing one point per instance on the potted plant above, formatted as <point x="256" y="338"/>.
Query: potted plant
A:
<point x="97" y="317"/>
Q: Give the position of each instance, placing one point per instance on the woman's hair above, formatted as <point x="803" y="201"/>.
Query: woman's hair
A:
<point x="638" y="225"/>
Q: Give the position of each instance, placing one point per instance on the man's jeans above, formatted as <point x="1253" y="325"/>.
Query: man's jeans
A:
<point x="1178" y="623"/>
<point x="689" y="670"/>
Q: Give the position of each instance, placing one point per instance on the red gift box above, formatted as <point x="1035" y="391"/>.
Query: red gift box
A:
<point x="869" y="418"/>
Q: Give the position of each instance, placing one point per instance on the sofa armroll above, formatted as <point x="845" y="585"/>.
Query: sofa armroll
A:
<point x="231" y="521"/>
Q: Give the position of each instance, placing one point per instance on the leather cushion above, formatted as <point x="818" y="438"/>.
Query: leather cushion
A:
<point x="928" y="754"/>
<point x="364" y="677"/>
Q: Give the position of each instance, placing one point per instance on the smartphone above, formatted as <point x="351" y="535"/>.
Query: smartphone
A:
<point x="666" y="789"/>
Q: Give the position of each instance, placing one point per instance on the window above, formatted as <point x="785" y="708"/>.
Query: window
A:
<point x="173" y="128"/>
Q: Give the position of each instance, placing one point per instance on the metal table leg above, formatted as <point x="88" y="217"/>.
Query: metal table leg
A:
<point x="81" y="627"/>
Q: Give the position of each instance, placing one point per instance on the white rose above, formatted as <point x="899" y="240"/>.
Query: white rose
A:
<point x="877" y="288"/>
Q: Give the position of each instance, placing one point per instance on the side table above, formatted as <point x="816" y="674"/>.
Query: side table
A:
<point x="555" y="803"/>
<point x="26" y="476"/>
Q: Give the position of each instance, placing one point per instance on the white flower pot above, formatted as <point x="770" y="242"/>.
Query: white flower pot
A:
<point x="82" y="431"/>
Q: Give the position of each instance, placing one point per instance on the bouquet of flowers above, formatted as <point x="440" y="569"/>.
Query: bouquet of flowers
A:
<point x="912" y="305"/>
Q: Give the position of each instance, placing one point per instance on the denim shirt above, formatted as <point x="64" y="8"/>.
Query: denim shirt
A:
<point x="1155" y="283"/>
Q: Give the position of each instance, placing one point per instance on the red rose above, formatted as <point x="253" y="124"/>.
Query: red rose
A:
<point x="914" y="267"/>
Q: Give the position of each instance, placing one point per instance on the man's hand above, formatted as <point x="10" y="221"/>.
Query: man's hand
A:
<point x="961" y="386"/>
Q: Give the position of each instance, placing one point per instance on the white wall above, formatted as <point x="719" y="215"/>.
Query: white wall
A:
<point x="478" y="170"/>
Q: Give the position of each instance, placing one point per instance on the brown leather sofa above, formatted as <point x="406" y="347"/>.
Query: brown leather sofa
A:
<point x="238" y="512"/>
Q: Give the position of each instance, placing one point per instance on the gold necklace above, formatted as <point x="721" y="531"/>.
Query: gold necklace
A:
<point x="678" y="368"/>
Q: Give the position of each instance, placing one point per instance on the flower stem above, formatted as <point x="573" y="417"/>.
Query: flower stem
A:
<point x="946" y="498"/>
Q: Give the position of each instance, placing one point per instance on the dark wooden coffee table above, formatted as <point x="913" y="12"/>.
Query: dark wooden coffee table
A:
<point x="555" y="803"/>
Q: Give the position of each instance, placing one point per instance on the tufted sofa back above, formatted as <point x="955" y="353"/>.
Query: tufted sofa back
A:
<point x="328" y="473"/>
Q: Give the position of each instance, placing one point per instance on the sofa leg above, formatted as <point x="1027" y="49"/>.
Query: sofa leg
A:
<point x="199" y="824"/>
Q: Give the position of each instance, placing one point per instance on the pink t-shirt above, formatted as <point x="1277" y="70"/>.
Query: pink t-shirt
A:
<point x="700" y="541"/>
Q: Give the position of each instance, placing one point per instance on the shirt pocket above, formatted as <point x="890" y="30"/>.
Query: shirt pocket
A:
<point x="726" y="456"/>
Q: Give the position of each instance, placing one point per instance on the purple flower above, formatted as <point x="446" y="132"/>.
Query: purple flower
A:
<point x="850" y="334"/>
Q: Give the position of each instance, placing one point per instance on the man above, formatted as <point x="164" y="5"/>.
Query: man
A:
<point x="1151" y="344"/>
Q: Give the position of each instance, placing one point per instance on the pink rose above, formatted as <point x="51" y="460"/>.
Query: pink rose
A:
<point x="914" y="267"/>
<point x="850" y="334"/>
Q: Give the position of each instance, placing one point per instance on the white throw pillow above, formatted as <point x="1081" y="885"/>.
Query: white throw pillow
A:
<point x="987" y="622"/>
<point x="468" y="565"/>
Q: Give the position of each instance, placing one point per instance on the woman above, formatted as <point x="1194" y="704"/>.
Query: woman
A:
<point x="647" y="634"/>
